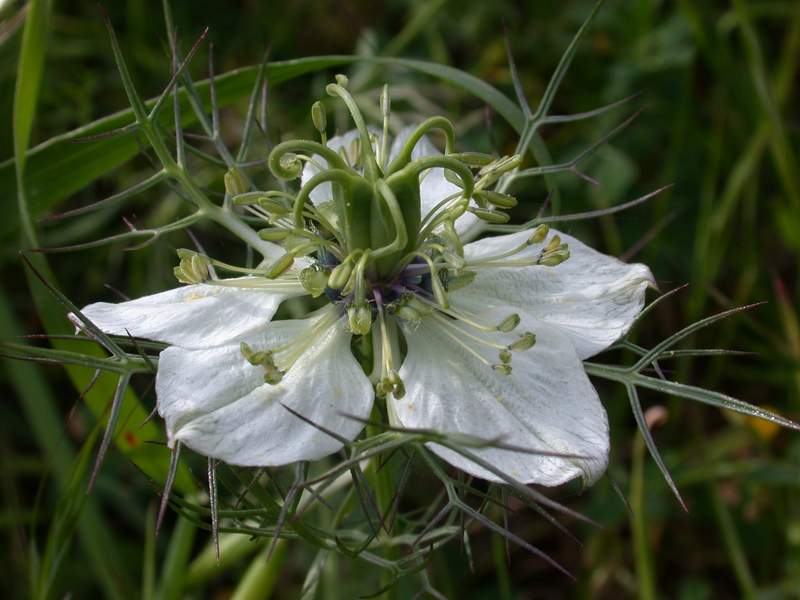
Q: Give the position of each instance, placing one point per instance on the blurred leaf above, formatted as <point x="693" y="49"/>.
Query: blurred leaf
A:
<point x="63" y="165"/>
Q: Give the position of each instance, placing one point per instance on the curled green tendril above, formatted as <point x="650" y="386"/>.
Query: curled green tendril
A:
<point x="371" y="168"/>
<point x="281" y="170"/>
<point x="438" y="122"/>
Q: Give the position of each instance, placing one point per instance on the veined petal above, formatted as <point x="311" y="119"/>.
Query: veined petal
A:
<point x="594" y="298"/>
<point x="193" y="316"/>
<point x="434" y="187"/>
<point x="217" y="403"/>
<point x="546" y="404"/>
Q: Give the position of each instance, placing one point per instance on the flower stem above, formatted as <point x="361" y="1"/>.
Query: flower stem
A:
<point x="381" y="479"/>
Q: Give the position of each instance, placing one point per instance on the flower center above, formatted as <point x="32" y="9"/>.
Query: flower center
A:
<point x="369" y="248"/>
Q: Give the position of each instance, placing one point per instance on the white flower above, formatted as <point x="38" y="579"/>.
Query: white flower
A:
<point x="463" y="312"/>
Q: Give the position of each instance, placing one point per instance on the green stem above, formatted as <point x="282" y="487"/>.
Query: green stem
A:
<point x="381" y="480"/>
<point x="733" y="544"/>
<point x="641" y="547"/>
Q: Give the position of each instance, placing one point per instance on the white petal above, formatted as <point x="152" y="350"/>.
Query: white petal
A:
<point x="218" y="404"/>
<point x="434" y="186"/>
<point x="192" y="316"/>
<point x="594" y="298"/>
<point x="546" y="404"/>
<point x="323" y="193"/>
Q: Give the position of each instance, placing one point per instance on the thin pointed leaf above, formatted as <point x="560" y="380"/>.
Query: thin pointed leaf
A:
<point x="689" y="392"/>
<point x="135" y="189"/>
<point x="687" y="331"/>
<point x="174" y="459"/>
<point x="111" y="426"/>
<point x="636" y="407"/>
<point x="102" y="337"/>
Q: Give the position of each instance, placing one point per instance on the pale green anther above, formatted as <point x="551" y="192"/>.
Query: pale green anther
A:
<point x="274" y="207"/>
<point x="341" y="80"/>
<point x="496" y="198"/>
<point x="538" y="235"/>
<point x="272" y="375"/>
<point x="314" y="280"/>
<point x="340" y="275"/>
<point x="274" y="234"/>
<point x="247" y="198"/>
<point x="492" y="172"/>
<point x="503" y="369"/>
<point x="360" y="318"/>
<point x="490" y="216"/>
<point x="399" y="389"/>
<point x="555" y="258"/>
<point x="319" y="117"/>
<point x="235" y="183"/>
<point x="509" y="323"/>
<point x="461" y="280"/>
<point x="413" y="302"/>
<point x="505" y="356"/>
<point x="383" y="388"/>
<point x="553" y="244"/>
<point x="452" y="177"/>
<point x="280" y="266"/>
<point x="554" y="253"/>
<point x="263" y="359"/>
<point x="473" y="159"/>
<point x="454" y="212"/>
<point x="525" y="342"/>
<point x="408" y="314"/>
<point x="193" y="267"/>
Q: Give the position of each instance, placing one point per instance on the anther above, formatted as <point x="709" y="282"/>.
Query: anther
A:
<point x="503" y="369"/>
<point x="509" y="323"/>
<point x="360" y="318"/>
<point x="525" y="342"/>
<point x="235" y="183"/>
<point x="490" y="216"/>
<point x="497" y="199"/>
<point x="319" y="118"/>
<point x="538" y="235"/>
<point x="314" y="280"/>
<point x="193" y="267"/>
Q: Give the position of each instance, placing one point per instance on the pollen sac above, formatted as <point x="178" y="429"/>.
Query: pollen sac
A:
<point x="456" y="282"/>
<point x="490" y="216"/>
<point x="505" y="356"/>
<point x="503" y="369"/>
<point x="360" y="318"/>
<point x="497" y="199"/>
<point x="193" y="268"/>
<point x="554" y="253"/>
<point x="509" y="323"/>
<point x="538" y="235"/>
<point x="340" y="275"/>
<point x="525" y="342"/>
<point x="280" y="266"/>
<point x="314" y="280"/>
<point x="263" y="359"/>
<point x="235" y="183"/>
<point x="274" y="234"/>
<point x="318" y="117"/>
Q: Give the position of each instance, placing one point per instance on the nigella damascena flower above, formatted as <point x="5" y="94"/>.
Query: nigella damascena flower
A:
<point x="484" y="338"/>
